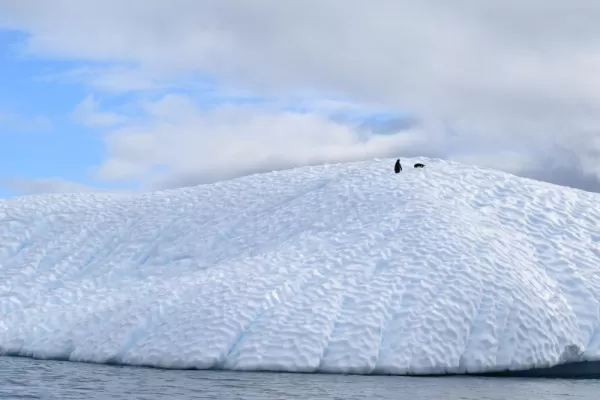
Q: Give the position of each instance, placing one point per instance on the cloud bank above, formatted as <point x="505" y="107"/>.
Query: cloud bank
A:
<point x="512" y="85"/>
<point x="178" y="144"/>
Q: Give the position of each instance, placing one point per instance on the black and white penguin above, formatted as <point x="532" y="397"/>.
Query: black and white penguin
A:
<point x="398" y="166"/>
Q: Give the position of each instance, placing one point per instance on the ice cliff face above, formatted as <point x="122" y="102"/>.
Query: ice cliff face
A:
<point x="337" y="268"/>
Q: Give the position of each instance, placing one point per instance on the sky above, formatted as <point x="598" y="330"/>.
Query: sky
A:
<point x="151" y="95"/>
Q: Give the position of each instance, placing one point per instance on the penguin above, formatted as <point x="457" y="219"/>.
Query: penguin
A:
<point x="398" y="166"/>
<point x="419" y="165"/>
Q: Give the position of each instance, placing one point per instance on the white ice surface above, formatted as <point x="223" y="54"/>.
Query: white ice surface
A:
<point x="336" y="268"/>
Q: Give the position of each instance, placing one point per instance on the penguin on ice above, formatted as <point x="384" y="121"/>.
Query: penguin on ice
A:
<point x="419" y="165"/>
<point x="398" y="166"/>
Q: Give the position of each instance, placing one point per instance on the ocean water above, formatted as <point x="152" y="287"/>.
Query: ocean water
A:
<point x="24" y="378"/>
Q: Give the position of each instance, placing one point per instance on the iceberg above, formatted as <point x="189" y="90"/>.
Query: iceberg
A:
<point x="338" y="268"/>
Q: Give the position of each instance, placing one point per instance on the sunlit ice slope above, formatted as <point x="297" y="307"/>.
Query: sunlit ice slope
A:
<point x="344" y="268"/>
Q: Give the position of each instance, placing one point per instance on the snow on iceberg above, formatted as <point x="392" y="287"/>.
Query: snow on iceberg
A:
<point x="337" y="268"/>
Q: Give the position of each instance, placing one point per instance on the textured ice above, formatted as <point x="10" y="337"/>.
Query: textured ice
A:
<point x="337" y="268"/>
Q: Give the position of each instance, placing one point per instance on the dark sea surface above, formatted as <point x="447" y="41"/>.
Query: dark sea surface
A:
<point x="24" y="378"/>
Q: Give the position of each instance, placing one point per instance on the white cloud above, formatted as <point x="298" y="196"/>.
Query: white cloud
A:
<point x="508" y="77"/>
<point x="11" y="121"/>
<point x="111" y="79"/>
<point x="88" y="113"/>
<point x="45" y="185"/>
<point x="180" y="144"/>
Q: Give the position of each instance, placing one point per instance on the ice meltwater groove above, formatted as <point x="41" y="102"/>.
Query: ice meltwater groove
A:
<point x="335" y="268"/>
